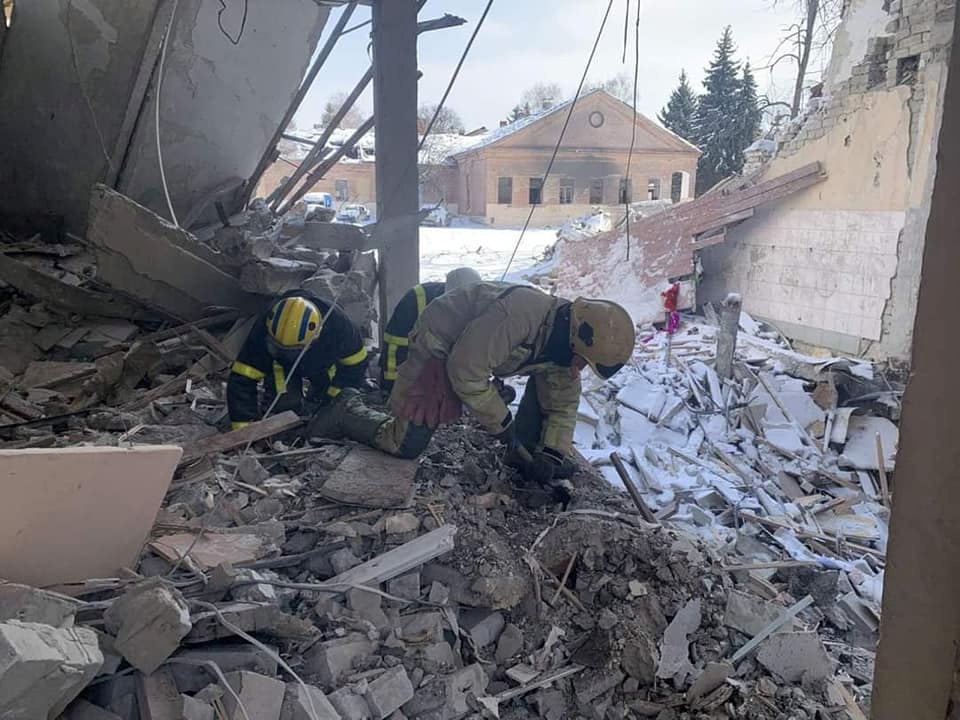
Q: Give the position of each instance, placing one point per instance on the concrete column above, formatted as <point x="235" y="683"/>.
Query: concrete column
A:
<point x="727" y="335"/>
<point x="395" y="108"/>
<point x="920" y="626"/>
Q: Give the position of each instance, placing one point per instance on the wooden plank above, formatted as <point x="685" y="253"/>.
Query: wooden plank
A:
<point x="399" y="560"/>
<point x="645" y="512"/>
<point x="237" y="438"/>
<point x="770" y="629"/>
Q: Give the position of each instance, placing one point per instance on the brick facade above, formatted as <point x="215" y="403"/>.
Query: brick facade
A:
<point x="591" y="157"/>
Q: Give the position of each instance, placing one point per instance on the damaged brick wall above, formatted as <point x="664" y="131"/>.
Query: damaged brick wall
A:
<point x="838" y="266"/>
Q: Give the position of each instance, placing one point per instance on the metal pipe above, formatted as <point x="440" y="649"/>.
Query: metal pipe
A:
<point x="317" y="152"/>
<point x="311" y="75"/>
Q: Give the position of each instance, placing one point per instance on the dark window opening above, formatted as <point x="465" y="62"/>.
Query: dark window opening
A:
<point x="908" y="68"/>
<point x="504" y="190"/>
<point x="341" y="189"/>
<point x="566" y="192"/>
<point x="596" y="192"/>
<point x="626" y="191"/>
<point x="653" y="189"/>
<point x="536" y="191"/>
<point x="676" y="186"/>
<point x="878" y="52"/>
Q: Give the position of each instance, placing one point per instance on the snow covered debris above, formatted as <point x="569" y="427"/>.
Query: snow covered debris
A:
<point x="728" y="460"/>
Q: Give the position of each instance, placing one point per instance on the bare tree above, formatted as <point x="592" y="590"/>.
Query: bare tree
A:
<point x="812" y="33"/>
<point x="542" y="96"/>
<point x="448" y="120"/>
<point x="620" y="86"/>
<point x="352" y="119"/>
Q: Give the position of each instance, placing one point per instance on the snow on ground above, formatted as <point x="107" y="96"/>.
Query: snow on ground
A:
<point x="487" y="250"/>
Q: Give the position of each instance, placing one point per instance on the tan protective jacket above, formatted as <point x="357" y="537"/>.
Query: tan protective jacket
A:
<point x="494" y="329"/>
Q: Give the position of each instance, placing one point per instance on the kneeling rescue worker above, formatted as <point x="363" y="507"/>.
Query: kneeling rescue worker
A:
<point x="493" y="329"/>
<point x="405" y="315"/>
<point x="334" y="358"/>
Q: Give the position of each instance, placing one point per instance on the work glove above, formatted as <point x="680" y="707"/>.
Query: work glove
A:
<point x="508" y="433"/>
<point x="542" y="467"/>
<point x="431" y="400"/>
<point x="506" y="392"/>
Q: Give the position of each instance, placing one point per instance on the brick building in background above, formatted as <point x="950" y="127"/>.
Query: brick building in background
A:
<point x="495" y="177"/>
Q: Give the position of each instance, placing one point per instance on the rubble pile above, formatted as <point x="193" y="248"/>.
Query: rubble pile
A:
<point x="316" y="580"/>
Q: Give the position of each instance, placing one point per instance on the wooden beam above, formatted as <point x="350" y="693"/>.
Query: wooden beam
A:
<point x="237" y="438"/>
<point x="645" y="512"/>
<point x="399" y="560"/>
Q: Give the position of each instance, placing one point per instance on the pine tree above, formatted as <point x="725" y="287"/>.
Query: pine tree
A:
<point x="749" y="115"/>
<point x="717" y="128"/>
<point x="519" y="111"/>
<point x="678" y="115"/>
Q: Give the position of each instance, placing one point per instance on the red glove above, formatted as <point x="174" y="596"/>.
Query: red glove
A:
<point x="431" y="400"/>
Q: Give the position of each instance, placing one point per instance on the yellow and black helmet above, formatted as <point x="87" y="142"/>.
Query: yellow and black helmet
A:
<point x="602" y="333"/>
<point x="294" y="322"/>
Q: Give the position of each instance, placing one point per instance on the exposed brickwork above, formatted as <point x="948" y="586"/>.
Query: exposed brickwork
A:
<point x="918" y="29"/>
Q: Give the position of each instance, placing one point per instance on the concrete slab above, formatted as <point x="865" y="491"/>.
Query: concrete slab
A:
<point x="75" y="513"/>
<point x="369" y="478"/>
<point x="42" y="669"/>
<point x="796" y="656"/>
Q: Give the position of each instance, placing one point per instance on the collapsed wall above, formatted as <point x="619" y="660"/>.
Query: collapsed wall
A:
<point x="838" y="265"/>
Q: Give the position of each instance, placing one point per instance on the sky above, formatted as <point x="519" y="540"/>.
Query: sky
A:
<point x="527" y="41"/>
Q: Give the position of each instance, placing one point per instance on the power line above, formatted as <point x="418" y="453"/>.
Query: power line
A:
<point x="563" y="130"/>
<point x="633" y="130"/>
<point x="456" y="72"/>
<point x="443" y="99"/>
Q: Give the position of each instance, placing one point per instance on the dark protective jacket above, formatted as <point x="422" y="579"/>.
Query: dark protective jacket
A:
<point x="335" y="360"/>
<point x="397" y="331"/>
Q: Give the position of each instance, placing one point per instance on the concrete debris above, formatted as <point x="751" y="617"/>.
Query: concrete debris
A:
<point x="332" y="661"/>
<point x="350" y="705"/>
<point x="675" y="647"/>
<point x="796" y="656"/>
<point x="750" y="614"/>
<point x="509" y="644"/>
<point x="261" y="697"/>
<point x="423" y="589"/>
<point x="30" y="605"/>
<point x="388" y="692"/>
<point x="149" y="621"/>
<point x="42" y="668"/>
<point x="306" y="703"/>
<point x="82" y="710"/>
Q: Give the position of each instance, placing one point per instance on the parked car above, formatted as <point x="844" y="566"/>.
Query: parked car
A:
<point x="437" y="217"/>
<point x="353" y="213"/>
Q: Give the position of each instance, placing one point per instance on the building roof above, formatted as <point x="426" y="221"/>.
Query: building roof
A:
<point x="515" y="127"/>
<point x="444" y="148"/>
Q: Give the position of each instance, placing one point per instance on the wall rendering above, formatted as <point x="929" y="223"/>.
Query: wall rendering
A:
<point x="77" y="81"/>
<point x="838" y="265"/>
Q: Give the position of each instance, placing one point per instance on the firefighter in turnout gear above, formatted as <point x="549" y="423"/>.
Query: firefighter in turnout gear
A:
<point x="405" y="315"/>
<point x="334" y="358"/>
<point x="485" y="330"/>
